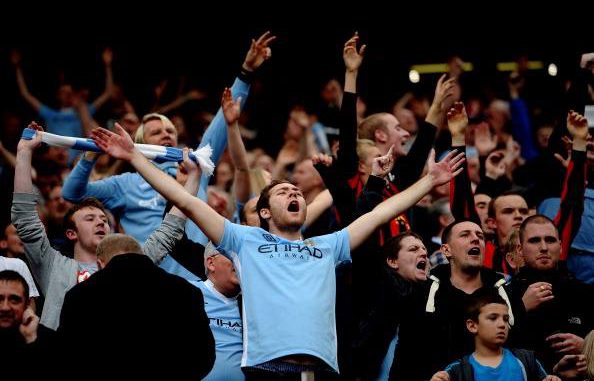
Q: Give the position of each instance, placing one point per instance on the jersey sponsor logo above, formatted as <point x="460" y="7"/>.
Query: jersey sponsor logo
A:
<point x="291" y="250"/>
<point x="227" y="324"/>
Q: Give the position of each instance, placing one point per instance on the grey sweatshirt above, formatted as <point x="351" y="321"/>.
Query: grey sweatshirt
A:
<point x="56" y="273"/>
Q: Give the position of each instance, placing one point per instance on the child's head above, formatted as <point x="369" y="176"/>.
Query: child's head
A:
<point x="487" y="318"/>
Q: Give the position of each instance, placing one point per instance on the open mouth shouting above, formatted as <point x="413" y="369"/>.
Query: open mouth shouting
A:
<point x="475" y="251"/>
<point x="293" y="207"/>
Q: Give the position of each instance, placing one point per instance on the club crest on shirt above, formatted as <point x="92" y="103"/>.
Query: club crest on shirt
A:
<point x="82" y="276"/>
<point x="269" y="237"/>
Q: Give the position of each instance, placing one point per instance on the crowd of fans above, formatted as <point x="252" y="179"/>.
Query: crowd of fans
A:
<point x="449" y="237"/>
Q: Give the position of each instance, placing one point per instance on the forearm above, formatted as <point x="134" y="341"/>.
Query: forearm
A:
<point x="76" y="184"/>
<point x="191" y="186"/>
<point x="177" y="102"/>
<point x="22" y="173"/>
<point x="210" y="222"/>
<point x="521" y="128"/>
<point x="8" y="156"/>
<point x="25" y="91"/>
<point x="350" y="81"/>
<point x="239" y="159"/>
<point x="365" y="225"/>
<point x="163" y="240"/>
<point x="318" y="206"/>
<point x="347" y="152"/>
<point x="104" y="97"/>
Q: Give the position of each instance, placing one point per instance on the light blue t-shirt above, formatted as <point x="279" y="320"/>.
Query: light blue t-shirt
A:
<point x="128" y="196"/>
<point x="65" y="122"/>
<point x="510" y="369"/>
<point x="226" y="327"/>
<point x="289" y="292"/>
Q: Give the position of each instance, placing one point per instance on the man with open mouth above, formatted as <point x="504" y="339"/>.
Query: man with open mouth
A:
<point x="433" y="322"/>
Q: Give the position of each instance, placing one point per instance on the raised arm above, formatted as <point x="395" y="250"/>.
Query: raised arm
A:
<point x="241" y="180"/>
<point x="347" y="152"/>
<point x="25" y="217"/>
<point x="409" y="168"/>
<point x="318" y="206"/>
<point x="16" y="61"/>
<point x="107" y="57"/>
<point x="439" y="173"/>
<point x="461" y="196"/>
<point x="568" y="219"/>
<point x="120" y="146"/>
<point x="162" y="241"/>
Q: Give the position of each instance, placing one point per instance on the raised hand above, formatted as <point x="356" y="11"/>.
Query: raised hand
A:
<point x="15" y="57"/>
<point x="30" y="145"/>
<point x="495" y="165"/>
<point x="484" y="140"/>
<point x="448" y="168"/>
<point x="382" y="165"/>
<point x="353" y="58"/>
<point x="28" y="327"/>
<point x="444" y="90"/>
<point x="107" y="56"/>
<point x="231" y="109"/>
<point x="457" y="123"/>
<point x="587" y="61"/>
<point x="259" y="52"/>
<point x="578" y="128"/>
<point x="118" y="145"/>
<point x="322" y="158"/>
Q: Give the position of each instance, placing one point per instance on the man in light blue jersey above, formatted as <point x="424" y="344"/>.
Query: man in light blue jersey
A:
<point x="288" y="283"/>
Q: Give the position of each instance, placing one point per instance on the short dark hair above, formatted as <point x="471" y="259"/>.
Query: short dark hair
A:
<point x="394" y="244"/>
<point x="478" y="300"/>
<point x="264" y="200"/>
<point x="447" y="232"/>
<point x="535" y="219"/>
<point x="89" y="202"/>
<point x="491" y="207"/>
<point x="13" y="276"/>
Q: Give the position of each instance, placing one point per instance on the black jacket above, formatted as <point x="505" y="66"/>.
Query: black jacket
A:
<point x="132" y="319"/>
<point x="463" y="371"/>
<point x="378" y="326"/>
<point x="432" y="328"/>
<point x="569" y="312"/>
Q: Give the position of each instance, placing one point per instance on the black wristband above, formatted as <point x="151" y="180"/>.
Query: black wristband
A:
<point x="246" y="75"/>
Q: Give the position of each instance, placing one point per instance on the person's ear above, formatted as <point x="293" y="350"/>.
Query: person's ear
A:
<point x="393" y="263"/>
<point x="71" y="235"/>
<point x="265" y="213"/>
<point x="362" y="168"/>
<point x="3" y="244"/>
<point x="380" y="136"/>
<point x="210" y="264"/>
<point x="472" y="326"/>
<point x="445" y="249"/>
<point x="101" y="263"/>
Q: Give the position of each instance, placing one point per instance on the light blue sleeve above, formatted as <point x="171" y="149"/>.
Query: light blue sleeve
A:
<point x="216" y="136"/>
<point x="232" y="239"/>
<point x="342" y="247"/>
<point x="108" y="191"/>
<point x="47" y="113"/>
